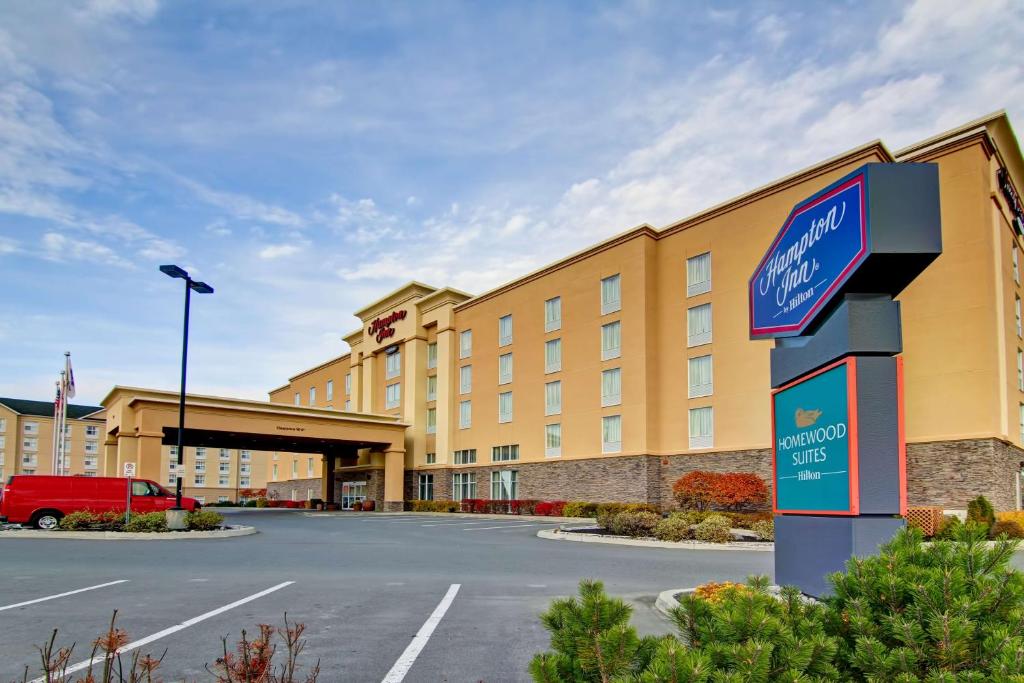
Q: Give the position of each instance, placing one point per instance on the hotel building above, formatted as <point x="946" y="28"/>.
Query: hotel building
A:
<point x="26" y="438"/>
<point x="608" y="374"/>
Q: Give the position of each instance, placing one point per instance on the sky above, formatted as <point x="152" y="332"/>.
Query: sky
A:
<point x="305" y="158"/>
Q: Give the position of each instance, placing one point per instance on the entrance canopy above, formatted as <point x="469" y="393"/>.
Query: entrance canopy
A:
<point x="141" y="421"/>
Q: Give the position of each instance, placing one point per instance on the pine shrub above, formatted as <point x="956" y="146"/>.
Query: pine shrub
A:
<point x="635" y="524"/>
<point x="981" y="512"/>
<point x="673" y="528"/>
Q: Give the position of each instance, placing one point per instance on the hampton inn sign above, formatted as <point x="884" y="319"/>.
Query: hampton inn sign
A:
<point x="384" y="327"/>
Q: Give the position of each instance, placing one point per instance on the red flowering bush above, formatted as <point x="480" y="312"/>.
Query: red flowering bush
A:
<point x="701" y="490"/>
<point x="550" y="508"/>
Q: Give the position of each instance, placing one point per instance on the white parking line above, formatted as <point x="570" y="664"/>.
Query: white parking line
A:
<point x="62" y="595"/>
<point x="453" y="523"/>
<point x="174" y="629"/>
<point x="407" y="658"/>
<point x="503" y="526"/>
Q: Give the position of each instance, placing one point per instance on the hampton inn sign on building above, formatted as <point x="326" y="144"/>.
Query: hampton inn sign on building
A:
<point x="608" y="374"/>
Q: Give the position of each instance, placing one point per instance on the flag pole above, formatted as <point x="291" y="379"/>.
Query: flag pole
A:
<point x="61" y="423"/>
<point x="56" y="428"/>
<point x="69" y="392"/>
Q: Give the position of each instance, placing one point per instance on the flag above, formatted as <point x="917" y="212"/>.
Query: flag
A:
<point x="69" y="377"/>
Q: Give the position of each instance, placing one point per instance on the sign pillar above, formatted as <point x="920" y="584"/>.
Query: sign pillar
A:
<point x="824" y="291"/>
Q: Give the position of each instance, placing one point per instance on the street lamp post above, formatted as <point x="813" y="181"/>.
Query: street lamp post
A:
<point x="199" y="288"/>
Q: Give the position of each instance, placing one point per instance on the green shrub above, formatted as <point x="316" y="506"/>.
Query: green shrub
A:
<point x="747" y="520"/>
<point x="150" y="522"/>
<point x="93" y="521"/>
<point x="981" y="512"/>
<point x="765" y="530"/>
<point x="673" y="528"/>
<point x="578" y="508"/>
<point x="605" y="511"/>
<point x="76" y="521"/>
<point x="434" y="506"/>
<point x="714" y="529"/>
<point x="636" y="524"/>
<point x="1008" y="527"/>
<point x="204" y="520"/>
<point x="261" y="502"/>
<point x="948" y="528"/>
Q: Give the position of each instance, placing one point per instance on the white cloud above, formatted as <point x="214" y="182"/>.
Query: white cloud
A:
<point x="773" y="29"/>
<point x="274" y="251"/>
<point x="57" y="247"/>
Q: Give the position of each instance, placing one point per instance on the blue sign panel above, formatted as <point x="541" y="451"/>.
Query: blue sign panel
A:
<point x="819" y="247"/>
<point x="815" y="436"/>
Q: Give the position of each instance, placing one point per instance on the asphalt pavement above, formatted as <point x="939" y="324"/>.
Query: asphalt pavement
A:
<point x="363" y="584"/>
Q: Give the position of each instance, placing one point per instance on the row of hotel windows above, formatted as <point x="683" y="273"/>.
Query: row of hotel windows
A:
<point x="330" y="390"/>
<point x="504" y="485"/>
<point x="223" y="453"/>
<point x="91" y="431"/>
<point x="30" y="444"/>
<point x="310" y="469"/>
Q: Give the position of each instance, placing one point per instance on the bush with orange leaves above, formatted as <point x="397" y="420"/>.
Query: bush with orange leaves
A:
<point x="701" y="490"/>
<point x="715" y="591"/>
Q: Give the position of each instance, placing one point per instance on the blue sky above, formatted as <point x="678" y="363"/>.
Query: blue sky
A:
<point x="306" y="157"/>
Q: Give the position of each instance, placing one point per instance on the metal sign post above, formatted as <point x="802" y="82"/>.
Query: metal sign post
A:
<point x="129" y="472"/>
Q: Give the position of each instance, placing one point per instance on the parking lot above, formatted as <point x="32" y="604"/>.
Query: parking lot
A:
<point x="364" y="585"/>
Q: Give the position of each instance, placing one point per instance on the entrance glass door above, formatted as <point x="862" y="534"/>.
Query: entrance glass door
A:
<point x="351" y="491"/>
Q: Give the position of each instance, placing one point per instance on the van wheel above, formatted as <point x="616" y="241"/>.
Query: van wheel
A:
<point x="47" y="521"/>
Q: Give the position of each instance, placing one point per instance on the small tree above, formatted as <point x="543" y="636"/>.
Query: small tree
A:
<point x="980" y="511"/>
<point x="696" y="490"/>
<point x="740" y="491"/>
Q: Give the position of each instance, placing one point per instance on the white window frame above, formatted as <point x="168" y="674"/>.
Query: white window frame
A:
<point x="700" y="337"/>
<point x="312" y="396"/>
<point x="463" y="485"/>
<point x="224" y="453"/>
<point x="610" y="445"/>
<point x="91" y="431"/>
<point x="199" y="479"/>
<point x="330" y="390"/>
<point x="425" y="488"/>
<point x="431" y="355"/>
<point x="550" y="366"/>
<point x="611" y="294"/>
<point x="30" y="428"/>
<point x="506" y="453"/>
<point x="697" y="389"/>
<point x="505" y="335"/>
<point x="553" y="430"/>
<point x="611" y="398"/>
<point x="245" y="468"/>
<point x="245" y="455"/>
<point x="611" y="352"/>
<point x="431" y="420"/>
<point x="465" y="414"/>
<point x="552" y="390"/>
<point x="466" y="456"/>
<point x="1020" y="370"/>
<point x="393" y="395"/>
<point x="701" y="440"/>
<point x="505" y="400"/>
<point x="465" y="344"/>
<point x="553" y="314"/>
<point x="505" y="373"/>
<point x="694" y="265"/>
<point x="348" y="383"/>
<point x="223" y="481"/>
<point x="224" y="468"/>
<point x="1016" y="264"/>
<point x="200" y="452"/>
<point x="310" y="467"/>
<point x="465" y="379"/>
<point x="244" y="482"/>
<point x="348" y="405"/>
<point x="298" y="398"/>
<point x="431" y="458"/>
<point x="431" y="387"/>
<point x="504" y="483"/>
<point x="392" y="365"/>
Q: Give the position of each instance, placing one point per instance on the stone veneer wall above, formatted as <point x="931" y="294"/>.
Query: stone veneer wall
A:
<point x="374" y="485"/>
<point x="282" y="490"/>
<point x="943" y="473"/>
<point x="950" y="473"/>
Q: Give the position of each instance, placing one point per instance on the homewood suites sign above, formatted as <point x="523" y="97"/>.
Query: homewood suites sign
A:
<point x="383" y="327"/>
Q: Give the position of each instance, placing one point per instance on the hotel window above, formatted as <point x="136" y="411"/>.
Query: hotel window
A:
<point x="200" y="453"/>
<point x="244" y="468"/>
<point x="431" y="420"/>
<point x="611" y="434"/>
<point x="172" y="479"/>
<point x="3" y="442"/>
<point x="90" y="431"/>
<point x="298" y="399"/>
<point x="553" y="355"/>
<point x="553" y="314"/>
<point x="698" y="274"/>
<point x="505" y="330"/>
<point x="3" y="424"/>
<point x="1017" y="311"/>
<point x="30" y="445"/>
<point x="463" y="485"/>
<point x="505" y="407"/>
<point x="700" y="376"/>
<point x="504" y="485"/>
<point x="393" y="395"/>
<point x="244" y="482"/>
<point x="348" y="406"/>
<point x="222" y="499"/>
<point x="465" y="379"/>
<point x="431" y="355"/>
<point x="246" y="456"/>
<point x="466" y="457"/>
<point x="505" y="368"/>
<point x="225" y="454"/>
<point x="200" y="480"/>
<point x="393" y="365"/>
<point x="348" y="383"/>
<point x="1016" y="263"/>
<point x="31" y="428"/>
<point x="553" y="398"/>
<point x="200" y="466"/>
<point x="222" y="481"/>
<point x="330" y="390"/>
<point x="465" y="414"/>
<point x="611" y="340"/>
<point x="90" y="463"/>
<point x="505" y="453"/>
<point x="309" y="467"/>
<point x="432" y="388"/>
<point x="611" y="294"/>
<point x="611" y="387"/>
<point x="173" y="452"/>
<point x="702" y="427"/>
<point x="312" y="396"/>
<point x="1022" y="422"/>
<point x="225" y="468"/>
<point x="465" y="343"/>
<point x="295" y="467"/>
<point x="426" y="487"/>
<point x="552" y="440"/>
<point x="274" y="476"/>
<point x="431" y="458"/>
<point x="698" y="321"/>
<point x="91" y="447"/>
<point x="1020" y="370"/>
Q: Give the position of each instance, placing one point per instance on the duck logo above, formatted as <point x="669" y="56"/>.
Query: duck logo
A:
<point x="806" y="418"/>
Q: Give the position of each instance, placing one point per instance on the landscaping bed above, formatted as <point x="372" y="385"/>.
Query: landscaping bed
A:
<point x="137" y="523"/>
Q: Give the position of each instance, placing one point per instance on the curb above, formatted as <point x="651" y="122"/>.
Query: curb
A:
<point x="451" y="515"/>
<point x="560" y="535"/>
<point x="667" y="602"/>
<point x="230" y="532"/>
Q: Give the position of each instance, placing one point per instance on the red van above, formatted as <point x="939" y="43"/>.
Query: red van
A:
<point x="41" y="500"/>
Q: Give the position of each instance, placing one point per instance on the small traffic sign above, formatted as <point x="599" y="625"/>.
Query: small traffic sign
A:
<point x="129" y="469"/>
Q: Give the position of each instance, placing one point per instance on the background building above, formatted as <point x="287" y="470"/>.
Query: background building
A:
<point x="215" y="475"/>
<point x="26" y="438"/>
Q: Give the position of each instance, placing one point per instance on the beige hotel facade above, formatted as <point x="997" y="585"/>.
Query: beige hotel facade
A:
<point x="608" y="374"/>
